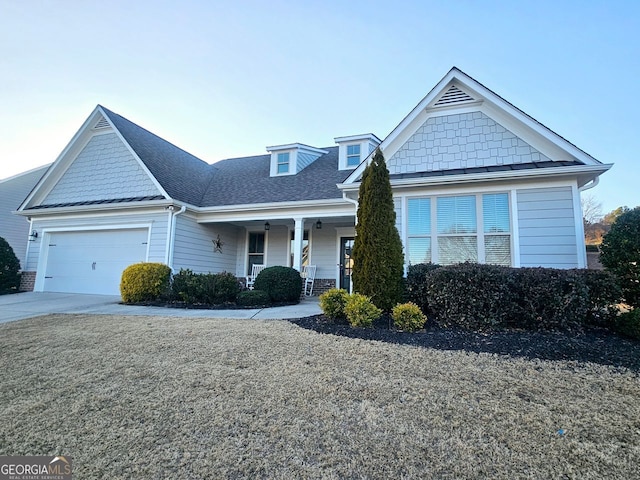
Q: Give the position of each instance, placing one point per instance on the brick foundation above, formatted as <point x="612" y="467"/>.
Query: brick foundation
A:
<point x="321" y="285"/>
<point x="27" y="281"/>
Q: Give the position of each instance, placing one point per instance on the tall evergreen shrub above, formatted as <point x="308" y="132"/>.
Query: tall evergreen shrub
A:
<point x="378" y="262"/>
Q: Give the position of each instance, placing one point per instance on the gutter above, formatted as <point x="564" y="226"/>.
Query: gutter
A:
<point x="591" y="184"/>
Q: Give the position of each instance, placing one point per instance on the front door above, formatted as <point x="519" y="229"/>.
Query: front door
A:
<point x="346" y="262"/>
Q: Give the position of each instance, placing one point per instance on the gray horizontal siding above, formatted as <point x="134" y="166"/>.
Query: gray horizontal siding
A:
<point x="546" y="227"/>
<point x="15" y="228"/>
<point x="194" y="248"/>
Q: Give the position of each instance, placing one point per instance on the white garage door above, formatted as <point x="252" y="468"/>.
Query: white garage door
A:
<point x="92" y="261"/>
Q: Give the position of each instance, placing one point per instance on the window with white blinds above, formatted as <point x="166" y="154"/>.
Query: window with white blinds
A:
<point x="495" y="214"/>
<point x="419" y="230"/>
<point x="473" y="228"/>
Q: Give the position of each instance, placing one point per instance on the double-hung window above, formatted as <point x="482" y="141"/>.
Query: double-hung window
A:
<point x="457" y="230"/>
<point x="464" y="228"/>
<point x="255" y="250"/>
<point x="419" y="230"/>
<point x="283" y="162"/>
<point x="353" y="155"/>
<point x="497" y="238"/>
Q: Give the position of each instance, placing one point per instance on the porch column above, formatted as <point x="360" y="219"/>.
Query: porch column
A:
<point x="298" y="237"/>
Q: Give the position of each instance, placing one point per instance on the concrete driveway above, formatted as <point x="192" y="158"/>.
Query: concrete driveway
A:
<point x="32" y="304"/>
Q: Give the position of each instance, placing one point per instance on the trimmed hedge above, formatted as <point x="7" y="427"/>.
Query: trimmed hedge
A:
<point x="144" y="282"/>
<point x="205" y="288"/>
<point x="282" y="284"/>
<point x="253" y="298"/>
<point x="488" y="297"/>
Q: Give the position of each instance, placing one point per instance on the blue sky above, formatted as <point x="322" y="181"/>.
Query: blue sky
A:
<point x="225" y="79"/>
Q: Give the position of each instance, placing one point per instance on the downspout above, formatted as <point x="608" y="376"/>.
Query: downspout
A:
<point x="26" y="253"/>
<point x="355" y="202"/>
<point x="171" y="233"/>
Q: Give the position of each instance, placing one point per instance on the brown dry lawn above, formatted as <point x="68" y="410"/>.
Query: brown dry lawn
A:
<point x="149" y="397"/>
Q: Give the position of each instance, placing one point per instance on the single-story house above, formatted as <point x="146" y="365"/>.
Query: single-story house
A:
<point x="474" y="178"/>
<point x="13" y="190"/>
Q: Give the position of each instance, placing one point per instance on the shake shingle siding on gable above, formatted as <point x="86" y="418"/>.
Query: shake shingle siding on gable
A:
<point x="104" y="170"/>
<point x="464" y="140"/>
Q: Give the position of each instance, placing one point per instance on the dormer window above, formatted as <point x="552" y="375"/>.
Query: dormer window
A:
<point x="283" y="163"/>
<point x="353" y="155"/>
<point x="292" y="158"/>
<point x="352" y="150"/>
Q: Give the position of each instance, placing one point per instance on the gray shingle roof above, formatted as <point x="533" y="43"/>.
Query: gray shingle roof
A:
<point x="246" y="180"/>
<point x="234" y="181"/>
<point x="183" y="176"/>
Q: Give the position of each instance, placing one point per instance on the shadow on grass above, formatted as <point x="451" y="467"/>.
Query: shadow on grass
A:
<point x="596" y="346"/>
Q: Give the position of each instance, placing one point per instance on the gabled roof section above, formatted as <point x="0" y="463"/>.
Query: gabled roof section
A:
<point x="183" y="176"/>
<point x="95" y="126"/>
<point x="457" y="90"/>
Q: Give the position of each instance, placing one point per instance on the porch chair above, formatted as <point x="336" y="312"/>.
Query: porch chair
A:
<point x="255" y="270"/>
<point x="308" y="274"/>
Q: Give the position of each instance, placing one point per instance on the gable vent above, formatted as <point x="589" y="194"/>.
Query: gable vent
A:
<point x="102" y="123"/>
<point x="452" y="96"/>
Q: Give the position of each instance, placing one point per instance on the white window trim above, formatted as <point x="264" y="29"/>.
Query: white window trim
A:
<point x="480" y="233"/>
<point x="246" y="248"/>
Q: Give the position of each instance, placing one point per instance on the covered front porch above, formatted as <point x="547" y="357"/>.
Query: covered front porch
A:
<point x="321" y="236"/>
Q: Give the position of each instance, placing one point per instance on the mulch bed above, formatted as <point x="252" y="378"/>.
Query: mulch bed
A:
<point x="595" y="345"/>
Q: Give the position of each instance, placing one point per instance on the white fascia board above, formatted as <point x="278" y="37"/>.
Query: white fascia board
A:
<point x="526" y="119"/>
<point x="299" y="146"/>
<point x="316" y="208"/>
<point x="93" y="209"/>
<point x="58" y="167"/>
<point x="354" y="138"/>
<point x="134" y="154"/>
<point x="590" y="170"/>
<point x="484" y="94"/>
<point x="404" y="123"/>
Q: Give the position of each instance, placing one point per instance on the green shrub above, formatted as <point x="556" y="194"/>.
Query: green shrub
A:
<point x="486" y="297"/>
<point x="9" y="269"/>
<point x="360" y="310"/>
<point x="185" y="286"/>
<point x="408" y="317"/>
<point x="333" y="302"/>
<point x="253" y="298"/>
<point x="628" y="324"/>
<point x="207" y="288"/>
<point x="282" y="284"/>
<point x="550" y="299"/>
<point x="604" y="296"/>
<point x="620" y="254"/>
<point x="227" y="288"/>
<point x="471" y="296"/>
<point x="144" y="281"/>
<point x="416" y="284"/>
